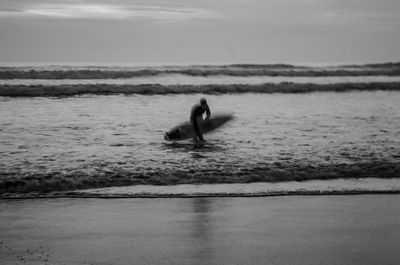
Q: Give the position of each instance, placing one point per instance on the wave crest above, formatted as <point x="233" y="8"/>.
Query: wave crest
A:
<point x="156" y="89"/>
<point x="99" y="72"/>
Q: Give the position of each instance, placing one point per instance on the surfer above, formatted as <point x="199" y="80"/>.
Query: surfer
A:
<point x="197" y="114"/>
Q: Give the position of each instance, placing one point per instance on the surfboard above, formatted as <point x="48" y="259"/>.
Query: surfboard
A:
<point x="185" y="130"/>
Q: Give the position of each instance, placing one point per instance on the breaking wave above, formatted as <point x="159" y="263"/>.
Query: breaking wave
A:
<point x="36" y="182"/>
<point x="157" y="89"/>
<point x="103" y="72"/>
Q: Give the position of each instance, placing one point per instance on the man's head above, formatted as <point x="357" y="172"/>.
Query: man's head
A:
<point x="203" y="101"/>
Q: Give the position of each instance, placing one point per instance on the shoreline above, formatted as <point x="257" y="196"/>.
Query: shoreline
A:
<point x="353" y="186"/>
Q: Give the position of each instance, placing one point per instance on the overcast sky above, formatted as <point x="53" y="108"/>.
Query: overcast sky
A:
<point x="200" y="31"/>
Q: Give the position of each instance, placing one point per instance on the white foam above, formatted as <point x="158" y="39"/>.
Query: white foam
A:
<point x="354" y="185"/>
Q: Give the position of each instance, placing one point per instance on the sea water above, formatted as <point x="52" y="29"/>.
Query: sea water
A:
<point x="105" y="140"/>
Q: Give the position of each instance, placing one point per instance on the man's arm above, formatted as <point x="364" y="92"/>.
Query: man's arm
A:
<point x="208" y="112"/>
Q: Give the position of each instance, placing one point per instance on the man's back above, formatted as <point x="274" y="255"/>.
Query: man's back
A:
<point x="198" y="110"/>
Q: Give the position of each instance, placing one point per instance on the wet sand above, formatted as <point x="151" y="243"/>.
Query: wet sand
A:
<point x="354" y="230"/>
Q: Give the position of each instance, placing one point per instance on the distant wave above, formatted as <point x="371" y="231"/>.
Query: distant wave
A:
<point x="156" y="89"/>
<point x="103" y="72"/>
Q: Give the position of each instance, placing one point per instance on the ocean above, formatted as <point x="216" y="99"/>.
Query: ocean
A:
<point x="70" y="127"/>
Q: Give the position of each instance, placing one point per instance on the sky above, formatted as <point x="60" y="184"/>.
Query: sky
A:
<point x="199" y="31"/>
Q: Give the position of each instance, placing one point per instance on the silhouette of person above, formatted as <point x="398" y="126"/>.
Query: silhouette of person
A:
<point x="196" y="116"/>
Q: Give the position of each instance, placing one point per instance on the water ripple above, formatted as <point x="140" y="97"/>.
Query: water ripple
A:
<point x="119" y="140"/>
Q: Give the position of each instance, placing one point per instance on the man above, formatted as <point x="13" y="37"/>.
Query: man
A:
<point x="196" y="115"/>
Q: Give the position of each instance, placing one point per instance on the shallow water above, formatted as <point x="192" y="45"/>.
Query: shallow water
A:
<point x="123" y="136"/>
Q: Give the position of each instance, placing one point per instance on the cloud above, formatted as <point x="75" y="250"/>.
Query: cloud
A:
<point x="108" y="11"/>
<point x="371" y="16"/>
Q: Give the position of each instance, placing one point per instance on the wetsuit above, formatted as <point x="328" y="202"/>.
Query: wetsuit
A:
<point x="197" y="112"/>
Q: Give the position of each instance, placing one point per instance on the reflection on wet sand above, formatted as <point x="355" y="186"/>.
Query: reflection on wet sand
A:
<point x="201" y="230"/>
<point x="331" y="230"/>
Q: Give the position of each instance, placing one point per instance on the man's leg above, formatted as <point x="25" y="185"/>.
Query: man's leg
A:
<point x="198" y="134"/>
<point x="193" y="123"/>
<point x="198" y="131"/>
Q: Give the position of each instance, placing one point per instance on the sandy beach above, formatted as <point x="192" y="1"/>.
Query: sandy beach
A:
<point x="346" y="230"/>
